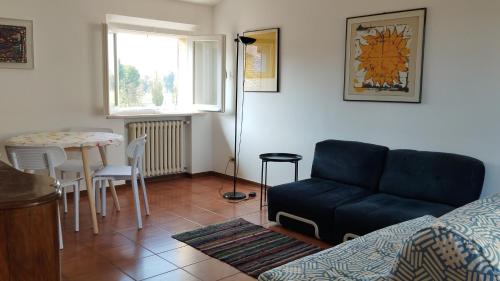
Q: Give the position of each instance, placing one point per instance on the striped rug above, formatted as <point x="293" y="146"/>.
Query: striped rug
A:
<point x="250" y="248"/>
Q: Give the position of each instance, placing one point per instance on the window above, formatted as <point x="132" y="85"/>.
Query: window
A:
<point x="155" y="73"/>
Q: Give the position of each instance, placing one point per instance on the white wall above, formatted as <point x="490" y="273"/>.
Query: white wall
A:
<point x="460" y="111"/>
<point x="65" y="87"/>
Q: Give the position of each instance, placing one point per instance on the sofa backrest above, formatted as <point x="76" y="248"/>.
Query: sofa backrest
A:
<point x="461" y="245"/>
<point x="349" y="162"/>
<point x="432" y="176"/>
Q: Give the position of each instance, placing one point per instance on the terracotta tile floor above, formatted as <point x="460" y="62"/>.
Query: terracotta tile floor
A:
<point x="121" y="252"/>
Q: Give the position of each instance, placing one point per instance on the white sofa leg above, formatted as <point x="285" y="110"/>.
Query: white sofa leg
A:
<point x="301" y="219"/>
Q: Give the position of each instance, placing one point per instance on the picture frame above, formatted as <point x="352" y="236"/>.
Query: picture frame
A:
<point x="16" y="43"/>
<point x="262" y="61"/>
<point x="384" y="56"/>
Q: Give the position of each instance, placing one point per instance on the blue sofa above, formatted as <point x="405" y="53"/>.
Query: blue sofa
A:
<point x="356" y="188"/>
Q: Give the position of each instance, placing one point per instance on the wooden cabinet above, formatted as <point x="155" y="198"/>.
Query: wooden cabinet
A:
<point x="29" y="247"/>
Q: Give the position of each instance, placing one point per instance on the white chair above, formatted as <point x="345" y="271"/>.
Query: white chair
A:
<point x="41" y="158"/>
<point x="76" y="166"/>
<point x="135" y="151"/>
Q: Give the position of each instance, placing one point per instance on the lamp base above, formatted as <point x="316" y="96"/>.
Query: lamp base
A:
<point x="235" y="195"/>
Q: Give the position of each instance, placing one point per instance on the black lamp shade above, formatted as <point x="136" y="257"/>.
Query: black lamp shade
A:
<point x="247" y="40"/>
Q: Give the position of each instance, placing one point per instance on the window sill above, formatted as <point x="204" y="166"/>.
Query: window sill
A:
<point x="152" y="115"/>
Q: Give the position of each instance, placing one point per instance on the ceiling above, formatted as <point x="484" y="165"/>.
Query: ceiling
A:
<point x="203" y="2"/>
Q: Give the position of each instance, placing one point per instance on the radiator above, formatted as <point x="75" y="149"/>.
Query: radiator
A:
<point x="164" y="147"/>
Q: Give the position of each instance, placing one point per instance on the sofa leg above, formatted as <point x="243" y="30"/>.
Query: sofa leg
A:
<point x="301" y="219"/>
<point x="349" y="236"/>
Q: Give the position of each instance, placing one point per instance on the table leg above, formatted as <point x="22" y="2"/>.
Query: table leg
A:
<point x="261" y="182"/>
<point x="265" y="185"/>
<point x="90" y="188"/>
<point x="104" y="159"/>
<point x="296" y="171"/>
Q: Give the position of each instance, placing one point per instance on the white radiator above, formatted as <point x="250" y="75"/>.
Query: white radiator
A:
<point x="164" y="146"/>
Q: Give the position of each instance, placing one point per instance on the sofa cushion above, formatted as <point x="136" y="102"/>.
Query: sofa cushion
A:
<point x="349" y="162"/>
<point x="380" y="210"/>
<point x="314" y="199"/>
<point x="433" y="176"/>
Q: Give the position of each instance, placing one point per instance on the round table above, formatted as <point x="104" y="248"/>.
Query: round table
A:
<point x="275" y="157"/>
<point x="76" y="141"/>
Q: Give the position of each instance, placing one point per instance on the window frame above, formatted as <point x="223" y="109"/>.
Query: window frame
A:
<point x="221" y="70"/>
<point x="110" y="29"/>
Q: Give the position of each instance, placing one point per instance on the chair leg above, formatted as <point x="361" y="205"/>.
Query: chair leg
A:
<point x="76" y="198"/>
<point x="103" y="198"/>
<point x="97" y="197"/>
<point x="137" y="203"/>
<point x="94" y="185"/>
<point x="59" y="229"/>
<point x="145" y="194"/>
<point x="65" y="197"/>
<point x="116" y="203"/>
<point x="65" y="200"/>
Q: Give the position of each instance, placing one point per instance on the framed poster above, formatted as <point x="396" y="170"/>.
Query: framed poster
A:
<point x="262" y="61"/>
<point x="16" y="43"/>
<point x="384" y="56"/>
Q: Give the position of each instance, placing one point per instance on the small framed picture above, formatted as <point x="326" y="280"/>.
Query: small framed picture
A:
<point x="384" y="56"/>
<point x="262" y="61"/>
<point x="16" y="43"/>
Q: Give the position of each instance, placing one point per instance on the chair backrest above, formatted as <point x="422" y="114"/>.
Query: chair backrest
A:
<point x="135" y="151"/>
<point x="90" y="129"/>
<point x="36" y="158"/>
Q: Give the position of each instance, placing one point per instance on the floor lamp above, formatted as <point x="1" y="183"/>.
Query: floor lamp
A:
<point x="237" y="195"/>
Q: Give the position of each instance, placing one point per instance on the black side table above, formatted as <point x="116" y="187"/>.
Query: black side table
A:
<point x="275" y="157"/>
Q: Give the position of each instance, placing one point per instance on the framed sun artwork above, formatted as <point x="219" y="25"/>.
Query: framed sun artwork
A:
<point x="16" y="43"/>
<point x="384" y="57"/>
<point x="262" y="61"/>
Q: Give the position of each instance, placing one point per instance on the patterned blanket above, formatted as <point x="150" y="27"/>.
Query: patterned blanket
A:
<point x="363" y="258"/>
<point x="461" y="245"/>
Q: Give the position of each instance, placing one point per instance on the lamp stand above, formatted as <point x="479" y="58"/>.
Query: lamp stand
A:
<point x="234" y="195"/>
